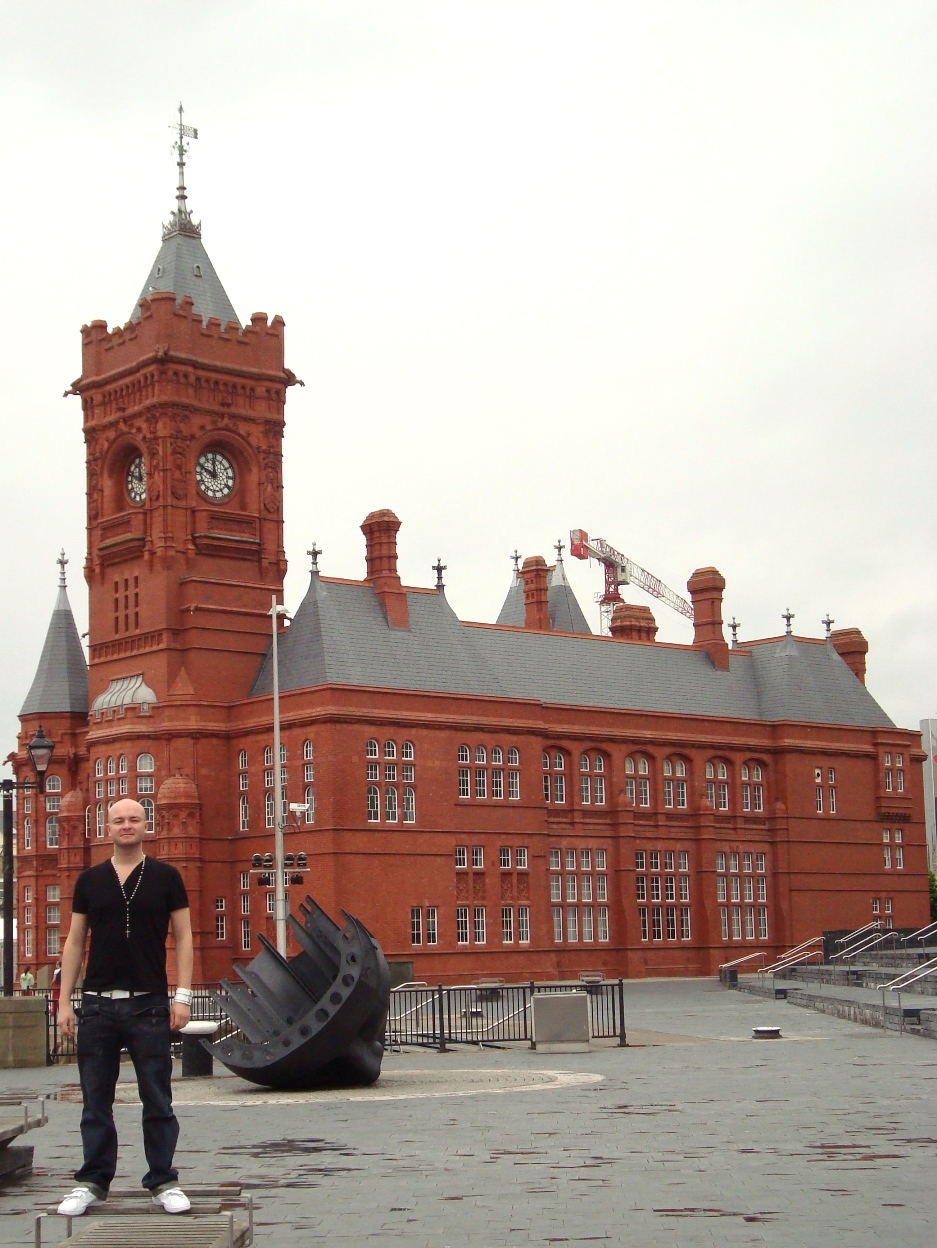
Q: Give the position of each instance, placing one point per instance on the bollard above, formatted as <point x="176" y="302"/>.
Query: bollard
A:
<point x="197" y="1062"/>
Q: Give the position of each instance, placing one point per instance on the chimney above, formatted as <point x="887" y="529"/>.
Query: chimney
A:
<point x="631" y="622"/>
<point x="706" y="586"/>
<point x="852" y="648"/>
<point x="536" y="604"/>
<point x="380" y="534"/>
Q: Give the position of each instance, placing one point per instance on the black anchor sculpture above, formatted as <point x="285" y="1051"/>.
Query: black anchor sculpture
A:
<point x="313" y="1020"/>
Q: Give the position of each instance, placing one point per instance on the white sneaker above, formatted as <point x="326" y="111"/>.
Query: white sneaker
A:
<point x="173" y="1200"/>
<point x="76" y="1202"/>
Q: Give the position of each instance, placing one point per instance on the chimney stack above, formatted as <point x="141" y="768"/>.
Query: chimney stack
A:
<point x="380" y="534"/>
<point x="852" y="648"/>
<point x="706" y="586"/>
<point x="536" y="602"/>
<point x="631" y="622"/>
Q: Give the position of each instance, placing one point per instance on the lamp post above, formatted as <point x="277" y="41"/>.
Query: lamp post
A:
<point x="280" y="903"/>
<point x="40" y="752"/>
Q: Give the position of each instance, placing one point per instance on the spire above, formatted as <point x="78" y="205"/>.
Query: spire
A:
<point x="182" y="264"/>
<point x="61" y="680"/>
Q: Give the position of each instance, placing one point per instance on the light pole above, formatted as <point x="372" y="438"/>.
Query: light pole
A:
<point x="280" y="896"/>
<point x="40" y="752"/>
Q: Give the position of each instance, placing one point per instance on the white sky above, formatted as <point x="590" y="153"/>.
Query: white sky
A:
<point x="665" y="272"/>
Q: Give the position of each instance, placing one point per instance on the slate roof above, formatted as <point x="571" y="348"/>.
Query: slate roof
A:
<point x="340" y="635"/>
<point x="61" y="680"/>
<point x="178" y="262"/>
<point x="565" y="612"/>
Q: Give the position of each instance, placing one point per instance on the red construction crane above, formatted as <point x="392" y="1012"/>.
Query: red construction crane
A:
<point x="620" y="570"/>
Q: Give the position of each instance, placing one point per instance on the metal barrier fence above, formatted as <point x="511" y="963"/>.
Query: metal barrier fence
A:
<point x="483" y="1013"/>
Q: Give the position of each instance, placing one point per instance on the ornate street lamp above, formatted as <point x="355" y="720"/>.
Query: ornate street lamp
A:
<point x="40" y="752"/>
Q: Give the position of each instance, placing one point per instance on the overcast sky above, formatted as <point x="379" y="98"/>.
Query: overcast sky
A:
<point x="665" y="272"/>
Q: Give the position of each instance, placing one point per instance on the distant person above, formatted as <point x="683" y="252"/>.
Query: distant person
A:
<point x="56" y="989"/>
<point x="127" y="902"/>
<point x="27" y="982"/>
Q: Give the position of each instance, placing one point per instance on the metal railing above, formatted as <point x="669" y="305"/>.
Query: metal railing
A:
<point x="491" y="1013"/>
<point x="921" y="934"/>
<point x="856" y="937"/>
<point x="901" y="982"/>
<point x="793" y="957"/>
<point x="869" y="942"/>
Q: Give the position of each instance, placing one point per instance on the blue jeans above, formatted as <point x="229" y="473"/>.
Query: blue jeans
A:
<point x="141" y="1026"/>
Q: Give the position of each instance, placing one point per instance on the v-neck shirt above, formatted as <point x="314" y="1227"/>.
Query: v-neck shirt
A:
<point x="151" y="893"/>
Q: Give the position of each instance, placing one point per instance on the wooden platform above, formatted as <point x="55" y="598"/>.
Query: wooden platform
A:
<point x="210" y="1230"/>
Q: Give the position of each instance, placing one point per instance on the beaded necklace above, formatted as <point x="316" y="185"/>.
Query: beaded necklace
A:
<point x="128" y="900"/>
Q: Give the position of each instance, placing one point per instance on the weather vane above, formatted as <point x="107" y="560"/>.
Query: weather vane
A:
<point x="181" y="221"/>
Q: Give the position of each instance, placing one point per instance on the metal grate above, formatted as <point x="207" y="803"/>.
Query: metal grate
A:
<point x="221" y="1230"/>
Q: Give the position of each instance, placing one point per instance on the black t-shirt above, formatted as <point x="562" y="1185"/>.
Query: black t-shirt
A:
<point x="137" y="962"/>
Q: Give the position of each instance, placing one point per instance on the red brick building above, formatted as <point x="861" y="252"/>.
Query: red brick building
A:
<point x="521" y="799"/>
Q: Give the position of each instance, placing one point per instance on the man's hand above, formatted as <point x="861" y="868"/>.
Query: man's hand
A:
<point x="66" y="1018"/>
<point x="178" y="1016"/>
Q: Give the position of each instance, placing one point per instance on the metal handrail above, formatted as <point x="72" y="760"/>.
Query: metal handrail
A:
<point x="905" y="980"/>
<point x="869" y="943"/>
<point x="921" y="933"/>
<point x="783" y="963"/>
<point x="723" y="966"/>
<point x="860" y="931"/>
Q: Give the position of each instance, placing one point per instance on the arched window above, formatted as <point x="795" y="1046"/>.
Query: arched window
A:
<point x="554" y="781"/>
<point x="497" y="756"/>
<point x="307" y="750"/>
<point x="310" y="806"/>
<point x="374" y="804"/>
<point x="753" y="793"/>
<point x="717" y="785"/>
<point x="242" y="760"/>
<point x="122" y="764"/>
<point x="245" y="813"/>
<point x="390" y="749"/>
<point x="53" y="784"/>
<point x="99" y="766"/>
<point x="99" y="821"/>
<point x="407" y="752"/>
<point x="598" y="763"/>
<point x="390" y="804"/>
<point x="147" y="804"/>
<point x="514" y="758"/>
<point x="371" y="749"/>
<point x="268" y="756"/>
<point x="87" y="822"/>
<point x="675" y="796"/>
<point x="480" y="755"/>
<point x="282" y="751"/>
<point x="111" y="766"/>
<point x="629" y="766"/>
<point x="144" y="762"/>
<point x="584" y="762"/>
<point x="269" y="810"/>
<point x="409" y="806"/>
<point x="463" y="754"/>
<point x="638" y="792"/>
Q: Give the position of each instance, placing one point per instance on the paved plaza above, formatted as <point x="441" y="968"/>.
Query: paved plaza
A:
<point x="696" y="1135"/>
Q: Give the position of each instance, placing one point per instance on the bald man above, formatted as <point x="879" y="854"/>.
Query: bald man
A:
<point x="127" y="903"/>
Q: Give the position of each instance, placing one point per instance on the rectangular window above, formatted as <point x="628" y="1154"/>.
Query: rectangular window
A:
<point x="28" y="943"/>
<point x="888" y="905"/>
<point x="559" y="789"/>
<point x="720" y="862"/>
<point x="145" y="784"/>
<point x="520" y="858"/>
<point x="629" y="790"/>
<point x="54" y="915"/>
<point x="899" y="777"/>
<point x="711" y="793"/>
<point x="897" y="836"/>
<point x="497" y="784"/>
<point x="221" y="927"/>
<point x="832" y="803"/>
<point x="819" y="800"/>
<point x="668" y="793"/>
<point x="53" y="893"/>
<point x="600" y="860"/>
<point x="432" y="926"/>
<point x="720" y="888"/>
<point x="734" y="888"/>
<point x="462" y="925"/>
<point x="733" y="862"/>
<point x="52" y="832"/>
<point x="245" y="934"/>
<point x="507" y="925"/>
<point x="749" y="924"/>
<point x="585" y="887"/>
<point x="736" y="924"/>
<point x="749" y="889"/>
<point x="556" y="888"/>
<point x="657" y="930"/>
<point x="479" y="925"/>
<point x="642" y="917"/>
<point x="585" y="790"/>
<point x="762" y="889"/>
<point x="571" y="888"/>
<point x="268" y="779"/>
<point x="644" y="792"/>
<point x="598" y="785"/>
<point x="655" y="888"/>
<point x="416" y="925"/>
<point x="759" y="796"/>
<point x="875" y="905"/>
<point x="546" y="788"/>
<point x="886" y="834"/>
<point x="746" y="862"/>
<point x="309" y="773"/>
<point x="668" y="860"/>
<point x="899" y="857"/>
<point x="53" y="942"/>
<point x="481" y="782"/>
<point x="245" y="903"/>
<point x="724" y="922"/>
<point x="478" y="856"/>
<point x="763" y="923"/>
<point x="569" y="858"/>
<point x="242" y="781"/>
<point x="670" y="889"/>
<point x="639" y="860"/>
<point x="390" y="773"/>
<point x="685" y="923"/>
<point x="514" y="785"/>
<point x="723" y="795"/>
<point x="464" y="782"/>
<point x="271" y="903"/>
<point x="461" y="855"/>
<point x="681" y="795"/>
<point x="504" y="857"/>
<point x="746" y="797"/>
<point x="572" y="925"/>
<point x="887" y="854"/>
<point x="759" y="862"/>
<point x="554" y="860"/>
<point x="655" y="859"/>
<point x="523" y="924"/>
<point x="671" y="922"/>
<point x="408" y="773"/>
<point x="27" y="915"/>
<point x="557" y="913"/>
<point x="587" y="927"/>
<point x="601" y="888"/>
<point x="684" y="888"/>
<point x="219" y="903"/>
<point x="641" y="884"/>
<point x="887" y="781"/>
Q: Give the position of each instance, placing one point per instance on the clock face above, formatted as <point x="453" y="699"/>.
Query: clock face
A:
<point x="214" y="474"/>
<point x="136" y="480"/>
